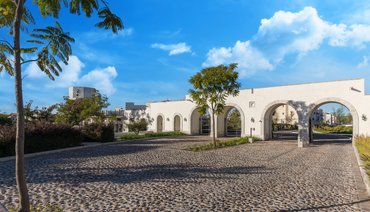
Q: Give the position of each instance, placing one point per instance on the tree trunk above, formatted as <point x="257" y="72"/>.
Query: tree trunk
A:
<point x="213" y="129"/>
<point x="19" y="145"/>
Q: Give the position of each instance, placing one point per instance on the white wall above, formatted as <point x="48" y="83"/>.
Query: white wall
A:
<point x="303" y="97"/>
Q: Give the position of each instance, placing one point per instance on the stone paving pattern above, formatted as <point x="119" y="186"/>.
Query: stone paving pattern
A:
<point x="160" y="174"/>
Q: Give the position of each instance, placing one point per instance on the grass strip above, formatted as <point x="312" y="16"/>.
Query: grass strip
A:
<point x="363" y="148"/>
<point x="150" y="135"/>
<point x="221" y="144"/>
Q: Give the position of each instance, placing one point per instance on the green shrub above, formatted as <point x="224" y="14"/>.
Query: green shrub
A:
<point x="4" y="120"/>
<point x="98" y="133"/>
<point x="363" y="146"/>
<point x="39" y="137"/>
<point x="163" y="134"/>
<point x="221" y="144"/>
<point x="131" y="137"/>
<point x="150" y="135"/>
<point x="336" y="129"/>
<point x="137" y="126"/>
<point x="277" y="127"/>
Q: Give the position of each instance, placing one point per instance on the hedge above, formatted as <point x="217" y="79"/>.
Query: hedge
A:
<point x="98" y="133"/>
<point x="39" y="137"/>
<point x="150" y="135"/>
<point x="222" y="144"/>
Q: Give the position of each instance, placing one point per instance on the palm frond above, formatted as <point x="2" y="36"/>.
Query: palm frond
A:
<point x="50" y="7"/>
<point x="110" y="20"/>
<point x="5" y="47"/>
<point x="29" y="50"/>
<point x="6" y="64"/>
<point x="87" y="6"/>
<point x="57" y="46"/>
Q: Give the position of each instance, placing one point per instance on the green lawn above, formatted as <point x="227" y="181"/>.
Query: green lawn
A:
<point x="221" y="144"/>
<point x="336" y="129"/>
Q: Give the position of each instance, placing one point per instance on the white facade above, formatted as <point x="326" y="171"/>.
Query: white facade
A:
<point x="132" y="112"/>
<point x="256" y="106"/>
<point x="80" y="92"/>
<point x="285" y="114"/>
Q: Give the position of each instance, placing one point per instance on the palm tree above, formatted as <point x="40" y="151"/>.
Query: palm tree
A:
<point x="49" y="45"/>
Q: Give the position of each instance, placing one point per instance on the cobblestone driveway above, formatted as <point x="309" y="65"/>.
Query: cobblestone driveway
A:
<point x="159" y="174"/>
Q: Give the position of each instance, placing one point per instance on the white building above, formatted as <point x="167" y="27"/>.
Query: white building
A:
<point x="123" y="116"/>
<point x="329" y="119"/>
<point x="81" y="92"/>
<point x="257" y="105"/>
<point x="285" y="114"/>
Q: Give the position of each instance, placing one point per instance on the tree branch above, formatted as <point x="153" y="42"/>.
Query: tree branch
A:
<point x="29" y="61"/>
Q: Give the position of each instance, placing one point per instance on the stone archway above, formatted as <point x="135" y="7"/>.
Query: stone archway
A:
<point x="222" y="120"/>
<point x="349" y="106"/>
<point x="177" y="123"/>
<point x="266" y="125"/>
<point x="160" y="123"/>
<point x="198" y="123"/>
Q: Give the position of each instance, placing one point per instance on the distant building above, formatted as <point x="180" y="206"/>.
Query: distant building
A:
<point x="285" y="114"/>
<point x="81" y="92"/>
<point x="131" y="112"/>
<point x="330" y="119"/>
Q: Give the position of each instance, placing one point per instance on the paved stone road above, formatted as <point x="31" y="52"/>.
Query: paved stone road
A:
<point x="159" y="174"/>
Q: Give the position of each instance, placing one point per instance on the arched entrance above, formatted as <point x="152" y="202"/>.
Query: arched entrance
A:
<point x="160" y="123"/>
<point x="177" y="123"/>
<point x="332" y="121"/>
<point x="233" y="123"/>
<point x="200" y="125"/>
<point x="280" y="121"/>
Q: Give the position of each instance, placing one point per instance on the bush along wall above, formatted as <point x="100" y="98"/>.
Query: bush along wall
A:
<point x="39" y="137"/>
<point x="98" y="133"/>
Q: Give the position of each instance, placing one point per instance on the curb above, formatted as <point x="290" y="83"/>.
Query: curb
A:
<point x="365" y="177"/>
<point x="30" y="155"/>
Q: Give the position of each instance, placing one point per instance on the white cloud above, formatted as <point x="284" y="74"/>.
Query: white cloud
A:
<point x="249" y="59"/>
<point x="288" y="33"/>
<point x="70" y="74"/>
<point x="100" y="35"/>
<point x="354" y="35"/>
<point x="173" y="49"/>
<point x="364" y="63"/>
<point x="101" y="79"/>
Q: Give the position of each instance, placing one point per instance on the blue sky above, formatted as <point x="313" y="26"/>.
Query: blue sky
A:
<point x="165" y="42"/>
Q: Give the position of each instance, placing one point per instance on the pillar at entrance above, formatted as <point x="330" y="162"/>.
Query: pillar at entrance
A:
<point x="303" y="132"/>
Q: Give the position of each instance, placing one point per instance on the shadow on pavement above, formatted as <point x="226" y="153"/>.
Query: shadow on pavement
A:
<point x="151" y="173"/>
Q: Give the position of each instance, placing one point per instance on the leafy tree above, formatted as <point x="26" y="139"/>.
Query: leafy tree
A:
<point x="340" y="117"/>
<point x="211" y="87"/>
<point x="45" y="114"/>
<point x="138" y="125"/>
<point x="233" y="120"/>
<point x="5" y="120"/>
<point x="74" y="111"/>
<point x="46" y="46"/>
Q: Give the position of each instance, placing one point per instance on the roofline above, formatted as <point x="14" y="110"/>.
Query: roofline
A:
<point x="306" y="83"/>
<point x="273" y="86"/>
<point x="167" y="100"/>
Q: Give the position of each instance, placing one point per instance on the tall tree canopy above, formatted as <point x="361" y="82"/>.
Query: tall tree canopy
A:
<point x="74" y="111"/>
<point x="47" y="46"/>
<point x="211" y="87"/>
